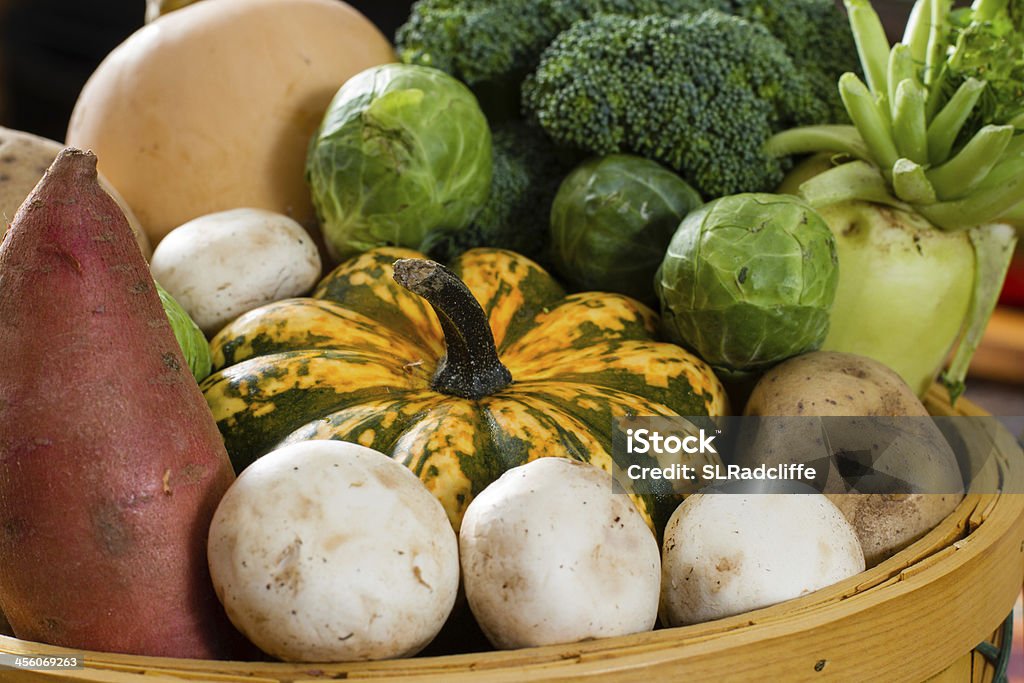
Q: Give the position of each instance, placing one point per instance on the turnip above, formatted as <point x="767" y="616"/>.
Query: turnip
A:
<point x="331" y="551"/>
<point x="551" y="555"/>
<point x="925" y="179"/>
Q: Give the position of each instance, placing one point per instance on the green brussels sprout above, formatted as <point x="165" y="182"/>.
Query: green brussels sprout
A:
<point x="748" y="280"/>
<point x="402" y="150"/>
<point x="190" y="338"/>
<point x="611" y="221"/>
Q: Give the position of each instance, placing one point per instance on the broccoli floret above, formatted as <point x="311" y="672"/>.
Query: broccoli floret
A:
<point x="497" y="41"/>
<point x="491" y="45"/>
<point x="817" y="37"/>
<point x="478" y="40"/>
<point x="526" y="174"/>
<point x="698" y="93"/>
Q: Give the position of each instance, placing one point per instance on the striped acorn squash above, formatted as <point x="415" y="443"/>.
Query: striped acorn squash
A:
<point x="460" y="395"/>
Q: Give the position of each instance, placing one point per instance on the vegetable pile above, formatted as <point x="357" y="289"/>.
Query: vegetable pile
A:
<point x="692" y="84"/>
<point x="406" y="291"/>
<point x="508" y="370"/>
<point x="492" y="46"/>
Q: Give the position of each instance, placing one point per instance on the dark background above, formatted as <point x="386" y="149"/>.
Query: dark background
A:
<point x="48" y="48"/>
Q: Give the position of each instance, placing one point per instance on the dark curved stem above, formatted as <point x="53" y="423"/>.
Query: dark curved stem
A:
<point x="470" y="368"/>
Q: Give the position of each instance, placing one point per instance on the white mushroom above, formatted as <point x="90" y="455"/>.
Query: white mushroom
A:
<point x="223" y="264"/>
<point x="330" y="551"/>
<point x="551" y="555"/>
<point x="728" y="553"/>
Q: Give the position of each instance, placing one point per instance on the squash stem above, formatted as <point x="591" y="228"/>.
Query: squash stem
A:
<point x="471" y="367"/>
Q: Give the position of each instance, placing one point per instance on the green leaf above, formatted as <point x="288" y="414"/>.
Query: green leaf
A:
<point x="960" y="175"/>
<point x="993" y="250"/>
<point x="872" y="44"/>
<point x="853" y="180"/>
<point x="945" y="127"/>
<point x="984" y="205"/>
<point x="910" y="183"/>
<point x="825" y="138"/>
<point x="908" y="121"/>
<point x="918" y="28"/>
<point x="871" y="123"/>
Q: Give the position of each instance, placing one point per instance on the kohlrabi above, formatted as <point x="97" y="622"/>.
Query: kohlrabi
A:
<point x="920" y="189"/>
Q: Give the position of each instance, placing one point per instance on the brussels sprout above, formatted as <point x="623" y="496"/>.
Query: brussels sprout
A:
<point x="402" y="150"/>
<point x="748" y="280"/>
<point x="611" y="220"/>
<point x="190" y="338"/>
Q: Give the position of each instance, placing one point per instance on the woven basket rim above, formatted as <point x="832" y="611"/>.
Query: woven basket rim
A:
<point x="982" y="533"/>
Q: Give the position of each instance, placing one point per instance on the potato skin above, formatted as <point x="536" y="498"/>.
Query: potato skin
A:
<point x="110" y="462"/>
<point x="831" y="383"/>
<point x="887" y="523"/>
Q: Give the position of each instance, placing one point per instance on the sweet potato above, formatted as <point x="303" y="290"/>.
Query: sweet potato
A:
<point x="111" y="465"/>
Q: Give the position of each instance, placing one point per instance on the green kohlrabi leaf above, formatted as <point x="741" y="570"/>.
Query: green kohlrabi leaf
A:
<point x="993" y="250"/>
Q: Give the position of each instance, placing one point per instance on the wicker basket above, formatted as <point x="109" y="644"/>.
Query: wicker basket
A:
<point x="935" y="611"/>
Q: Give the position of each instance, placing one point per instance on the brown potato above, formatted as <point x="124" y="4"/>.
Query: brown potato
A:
<point x="887" y="467"/>
<point x="887" y="523"/>
<point x="832" y="383"/>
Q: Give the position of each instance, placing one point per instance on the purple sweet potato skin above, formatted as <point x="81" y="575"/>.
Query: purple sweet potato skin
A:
<point x="111" y="465"/>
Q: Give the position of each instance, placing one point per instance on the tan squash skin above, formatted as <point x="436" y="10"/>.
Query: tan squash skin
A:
<point x="212" y="107"/>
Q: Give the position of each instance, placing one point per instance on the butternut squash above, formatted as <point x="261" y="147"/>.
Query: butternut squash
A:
<point x="212" y="107"/>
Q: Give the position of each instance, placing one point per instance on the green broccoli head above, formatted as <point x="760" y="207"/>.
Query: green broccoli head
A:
<point x="817" y="37"/>
<point x="479" y="41"/>
<point x="491" y="45"/>
<point x="698" y="93"/>
<point x="526" y="174"/>
<point x="500" y="41"/>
